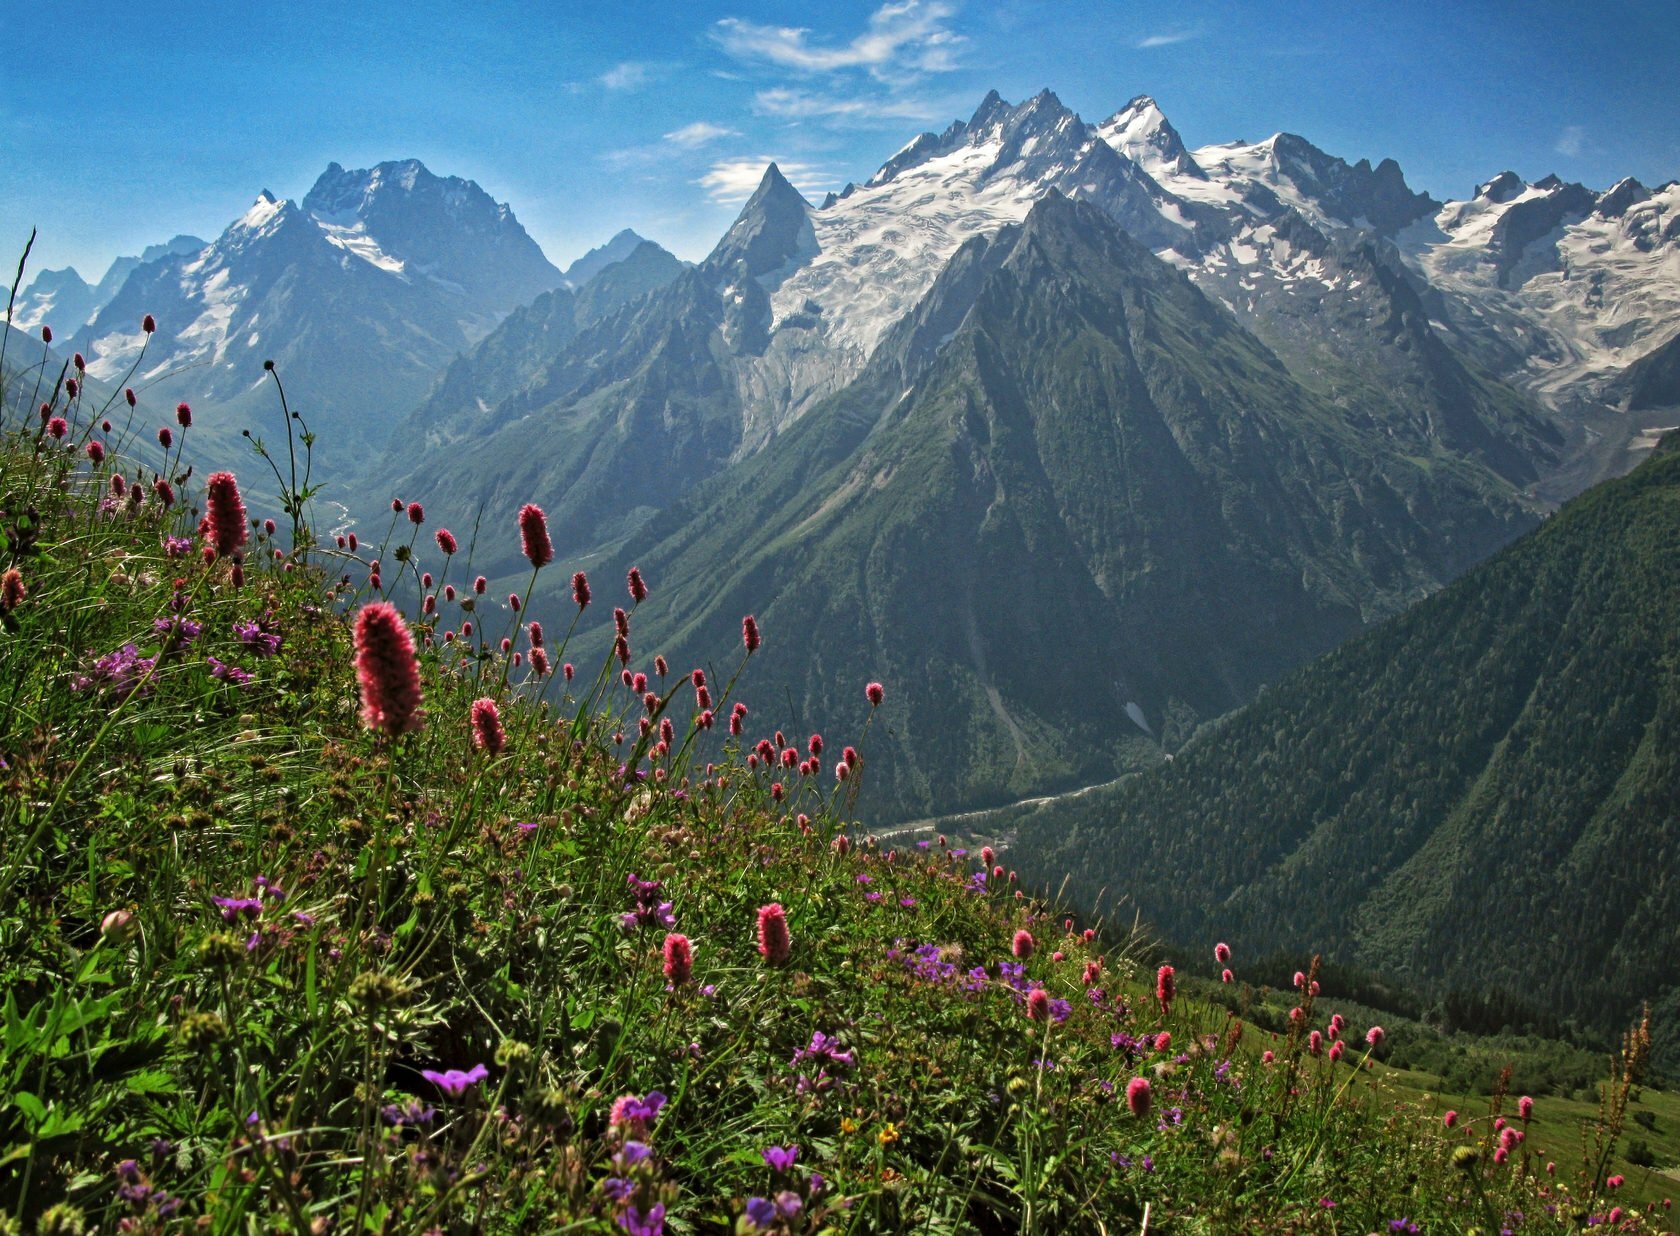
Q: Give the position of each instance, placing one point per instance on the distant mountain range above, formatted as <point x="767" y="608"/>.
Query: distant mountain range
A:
<point x="1079" y="434"/>
<point x="1480" y="797"/>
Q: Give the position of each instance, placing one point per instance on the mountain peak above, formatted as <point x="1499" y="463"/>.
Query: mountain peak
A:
<point x="599" y="258"/>
<point x="1502" y="188"/>
<point x="772" y="228"/>
<point x="1141" y="132"/>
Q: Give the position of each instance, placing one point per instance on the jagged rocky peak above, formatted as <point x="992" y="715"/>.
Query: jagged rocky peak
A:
<point x="1142" y="132"/>
<point x="1038" y="128"/>
<point x="772" y="230"/>
<point x="1502" y="188"/>
<point x="599" y="258"/>
<point x="1614" y="202"/>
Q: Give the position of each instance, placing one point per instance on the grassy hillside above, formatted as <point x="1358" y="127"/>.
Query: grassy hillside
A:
<point x="1480" y="798"/>
<point x="278" y="952"/>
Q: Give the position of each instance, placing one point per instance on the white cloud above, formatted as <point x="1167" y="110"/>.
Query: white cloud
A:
<point x="1166" y="40"/>
<point x="628" y="75"/>
<point x="800" y="105"/>
<point x="1572" y="141"/>
<point x="698" y="134"/>
<point x="733" y="180"/>
<point x="901" y="39"/>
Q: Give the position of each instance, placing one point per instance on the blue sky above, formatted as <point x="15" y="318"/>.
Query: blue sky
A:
<point x="123" y="124"/>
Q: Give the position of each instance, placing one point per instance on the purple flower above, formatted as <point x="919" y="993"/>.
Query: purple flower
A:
<point x="230" y="674"/>
<point x="413" y="1112"/>
<point x="761" y="1213"/>
<point x="780" y="1158"/>
<point x="233" y="907"/>
<point x="618" y="1188"/>
<point x="788" y="1204"/>
<point x="634" y="1153"/>
<point x="454" y="1082"/>
<point x="636" y="1223"/>
<point x="176" y="633"/>
<point x="123" y="671"/>
<point x="177" y="546"/>
<point x="824" y="1049"/>
<point x="262" y="643"/>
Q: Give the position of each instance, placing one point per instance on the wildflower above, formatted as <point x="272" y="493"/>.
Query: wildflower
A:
<point x="568" y="669"/>
<point x="780" y="1158"/>
<point x="226" y="513"/>
<point x="539" y="662"/>
<point x="875" y="693"/>
<point x="480" y="584"/>
<point x="95" y="451"/>
<point x="1374" y="1037"/>
<point x="1038" y="1004"/>
<point x="749" y="634"/>
<point x="12" y="591"/>
<point x="119" y="927"/>
<point x="533" y="535"/>
<point x="761" y="1213"/>
<point x="679" y="958"/>
<point x="1138" y="1096"/>
<point x="57" y="427"/>
<point x="1614" y="1182"/>
<point x="1315" y="1043"/>
<point x="183" y="416"/>
<point x="1449" y="1120"/>
<point x="633" y="1116"/>
<point x="124" y="672"/>
<point x="263" y="643"/>
<point x="488" y="733"/>
<point x="1225" y="976"/>
<point x="773" y="940"/>
<point x="230" y="674"/>
<point x="386" y="670"/>
<point x="636" y="1223"/>
<point x="1222" y="953"/>
<point x="446" y="542"/>
<point x="1023" y="943"/>
<point x="129" y="396"/>
<point x="1335" y="1051"/>
<point x="46" y="334"/>
<point x="1166" y="987"/>
<point x="1525" y="1108"/>
<point x="888" y="1134"/>
<point x="638" y="587"/>
<point x="1163" y="1040"/>
<point x="148" y="324"/>
<point x="454" y="1082"/>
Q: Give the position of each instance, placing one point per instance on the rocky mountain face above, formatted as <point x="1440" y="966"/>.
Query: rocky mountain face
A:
<point x="360" y="295"/>
<point x="1070" y="503"/>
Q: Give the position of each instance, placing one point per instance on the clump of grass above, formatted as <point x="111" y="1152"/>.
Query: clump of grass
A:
<point x="325" y="906"/>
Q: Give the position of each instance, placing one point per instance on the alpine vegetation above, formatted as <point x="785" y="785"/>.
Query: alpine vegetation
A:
<point x="334" y="897"/>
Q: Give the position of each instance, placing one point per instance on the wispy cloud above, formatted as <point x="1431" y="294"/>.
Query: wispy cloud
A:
<point x="1572" y="141"/>
<point x="698" y="134"/>
<point x="733" y="180"/>
<point x="801" y="105"/>
<point x="1167" y="39"/>
<point x="900" y="40"/>
<point x="627" y="75"/>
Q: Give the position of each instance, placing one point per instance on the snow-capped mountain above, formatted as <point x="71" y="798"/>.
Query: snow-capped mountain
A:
<point x="360" y="295"/>
<point x="65" y="301"/>
<point x="1565" y="286"/>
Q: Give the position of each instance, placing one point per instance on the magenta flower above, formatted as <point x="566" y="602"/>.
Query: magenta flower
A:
<point x="386" y="670"/>
<point x="533" y="535"/>
<point x="773" y="939"/>
<point x="454" y="1082"/>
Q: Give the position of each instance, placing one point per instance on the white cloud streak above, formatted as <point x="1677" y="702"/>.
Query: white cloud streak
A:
<point x="1572" y="141"/>
<point x="1166" y="40"/>
<point x="733" y="180"/>
<point x="901" y="39"/>
<point x="801" y="105"/>
<point x="698" y="134"/>
<point x="629" y="75"/>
